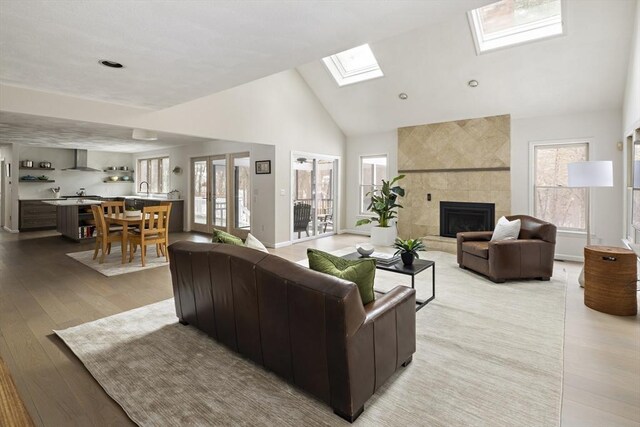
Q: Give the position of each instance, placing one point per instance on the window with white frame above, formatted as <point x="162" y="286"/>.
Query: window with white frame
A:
<point x="373" y="169"/>
<point x="553" y="201"/>
<point x="510" y="22"/>
<point x="155" y="172"/>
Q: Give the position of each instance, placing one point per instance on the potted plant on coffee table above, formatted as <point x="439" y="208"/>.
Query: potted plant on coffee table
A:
<point x="408" y="249"/>
<point x="383" y="205"/>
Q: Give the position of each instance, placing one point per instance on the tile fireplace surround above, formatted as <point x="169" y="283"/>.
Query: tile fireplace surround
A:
<point x="461" y="161"/>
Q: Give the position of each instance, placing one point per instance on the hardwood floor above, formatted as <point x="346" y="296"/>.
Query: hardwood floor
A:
<point x="42" y="289"/>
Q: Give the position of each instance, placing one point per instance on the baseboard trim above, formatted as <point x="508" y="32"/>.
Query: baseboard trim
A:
<point x="564" y="257"/>
<point x="282" y="244"/>
<point x="10" y="230"/>
<point x="354" y="231"/>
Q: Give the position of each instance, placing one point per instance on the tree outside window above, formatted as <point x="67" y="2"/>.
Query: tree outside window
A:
<point x="373" y="169"/>
<point x="553" y="201"/>
<point x="156" y="172"/>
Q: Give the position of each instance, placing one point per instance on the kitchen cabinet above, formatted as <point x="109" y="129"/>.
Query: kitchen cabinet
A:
<point x="36" y="215"/>
<point x="76" y="222"/>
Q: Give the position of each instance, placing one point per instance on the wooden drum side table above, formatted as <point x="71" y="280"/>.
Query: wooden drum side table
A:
<point x="610" y="276"/>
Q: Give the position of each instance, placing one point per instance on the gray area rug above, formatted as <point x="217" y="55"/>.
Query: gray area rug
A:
<point x="487" y="355"/>
<point x="112" y="265"/>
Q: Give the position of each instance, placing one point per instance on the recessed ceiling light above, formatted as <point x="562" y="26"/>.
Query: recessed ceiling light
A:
<point x="473" y="83"/>
<point x="111" y="64"/>
<point x="403" y="96"/>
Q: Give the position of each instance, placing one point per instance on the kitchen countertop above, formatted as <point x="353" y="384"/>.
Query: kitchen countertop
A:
<point x="72" y="202"/>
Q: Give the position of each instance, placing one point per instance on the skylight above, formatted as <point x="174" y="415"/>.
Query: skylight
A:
<point x="353" y="65"/>
<point x="510" y="22"/>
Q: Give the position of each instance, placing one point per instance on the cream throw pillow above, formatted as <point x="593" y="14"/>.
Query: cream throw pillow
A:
<point x="254" y="243"/>
<point x="506" y="230"/>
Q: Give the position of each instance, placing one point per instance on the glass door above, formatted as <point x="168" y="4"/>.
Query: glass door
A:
<point x="313" y="194"/>
<point x="241" y="176"/>
<point x="212" y="203"/>
<point x="200" y="195"/>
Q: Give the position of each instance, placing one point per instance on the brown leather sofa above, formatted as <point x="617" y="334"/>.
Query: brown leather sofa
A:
<point x="309" y="328"/>
<point x="528" y="257"/>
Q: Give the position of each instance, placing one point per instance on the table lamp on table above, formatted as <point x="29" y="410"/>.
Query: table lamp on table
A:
<point x="590" y="174"/>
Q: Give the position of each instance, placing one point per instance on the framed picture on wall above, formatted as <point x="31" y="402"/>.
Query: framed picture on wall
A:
<point x="263" y="167"/>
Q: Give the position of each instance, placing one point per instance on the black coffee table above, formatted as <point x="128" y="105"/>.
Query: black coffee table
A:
<point x="418" y="266"/>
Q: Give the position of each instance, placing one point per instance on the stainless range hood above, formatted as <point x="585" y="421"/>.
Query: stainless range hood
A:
<point x="80" y="162"/>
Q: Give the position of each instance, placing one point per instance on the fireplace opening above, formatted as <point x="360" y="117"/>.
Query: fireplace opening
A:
<point x="457" y="217"/>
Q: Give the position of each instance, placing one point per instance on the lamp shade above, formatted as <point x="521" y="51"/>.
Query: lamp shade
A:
<point x="591" y="174"/>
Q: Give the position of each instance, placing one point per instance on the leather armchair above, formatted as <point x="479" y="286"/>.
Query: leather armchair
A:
<point x="528" y="257"/>
<point x="307" y="327"/>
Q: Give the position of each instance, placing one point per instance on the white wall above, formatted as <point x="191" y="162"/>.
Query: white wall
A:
<point x="71" y="181"/>
<point x="10" y="197"/>
<point x="263" y="216"/>
<point x="366" y="145"/>
<point x="602" y="130"/>
<point x="631" y="109"/>
<point x="279" y="110"/>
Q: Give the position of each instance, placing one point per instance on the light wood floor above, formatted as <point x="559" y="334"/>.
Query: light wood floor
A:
<point x="42" y="289"/>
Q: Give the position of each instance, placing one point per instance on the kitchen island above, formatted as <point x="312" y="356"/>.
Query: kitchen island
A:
<point x="74" y="218"/>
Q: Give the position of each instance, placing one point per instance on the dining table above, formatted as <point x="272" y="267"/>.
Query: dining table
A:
<point x="125" y="221"/>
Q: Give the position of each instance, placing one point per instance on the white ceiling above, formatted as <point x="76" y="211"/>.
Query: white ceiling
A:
<point x="585" y="70"/>
<point x="38" y="131"/>
<point x="176" y="51"/>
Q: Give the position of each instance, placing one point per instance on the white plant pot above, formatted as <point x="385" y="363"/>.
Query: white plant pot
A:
<point x="383" y="236"/>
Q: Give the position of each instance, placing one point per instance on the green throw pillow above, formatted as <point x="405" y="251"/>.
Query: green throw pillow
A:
<point x="361" y="272"/>
<point x="220" y="236"/>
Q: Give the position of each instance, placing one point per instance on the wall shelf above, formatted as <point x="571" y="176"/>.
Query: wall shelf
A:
<point x="37" y="169"/>
<point x="37" y="180"/>
<point x="108" y="181"/>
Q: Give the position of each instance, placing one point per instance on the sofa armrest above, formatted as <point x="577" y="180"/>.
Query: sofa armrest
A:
<point x="470" y="236"/>
<point x="393" y="319"/>
<point x="389" y="301"/>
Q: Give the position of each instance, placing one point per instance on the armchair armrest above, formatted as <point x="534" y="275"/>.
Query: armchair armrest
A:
<point x="522" y="258"/>
<point x="470" y="236"/>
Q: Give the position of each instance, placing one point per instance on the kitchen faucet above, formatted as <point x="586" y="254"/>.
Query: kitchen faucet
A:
<point x="140" y="189"/>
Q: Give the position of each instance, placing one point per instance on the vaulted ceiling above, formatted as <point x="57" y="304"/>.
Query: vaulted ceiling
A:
<point x="176" y="51"/>
<point x="584" y="70"/>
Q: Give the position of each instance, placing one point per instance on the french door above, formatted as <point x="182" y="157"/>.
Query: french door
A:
<point x="314" y="195"/>
<point x="221" y="193"/>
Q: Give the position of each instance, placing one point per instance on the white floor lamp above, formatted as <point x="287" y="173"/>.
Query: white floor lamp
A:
<point x="589" y="175"/>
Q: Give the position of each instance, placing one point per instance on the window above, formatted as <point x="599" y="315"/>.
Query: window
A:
<point x="155" y="172"/>
<point x="510" y="22"/>
<point x="373" y="169"/>
<point x="553" y="200"/>
<point x="353" y="65"/>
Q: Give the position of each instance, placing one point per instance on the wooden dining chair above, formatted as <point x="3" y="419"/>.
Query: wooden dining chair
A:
<point x="104" y="237"/>
<point x="110" y="208"/>
<point x="154" y="230"/>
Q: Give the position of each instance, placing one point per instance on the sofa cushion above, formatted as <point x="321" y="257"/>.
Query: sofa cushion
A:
<point x="220" y="236"/>
<point x="361" y="272"/>
<point x="479" y="249"/>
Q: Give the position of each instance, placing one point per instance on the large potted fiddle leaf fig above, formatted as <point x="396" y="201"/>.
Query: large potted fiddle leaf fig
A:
<point x="384" y="206"/>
